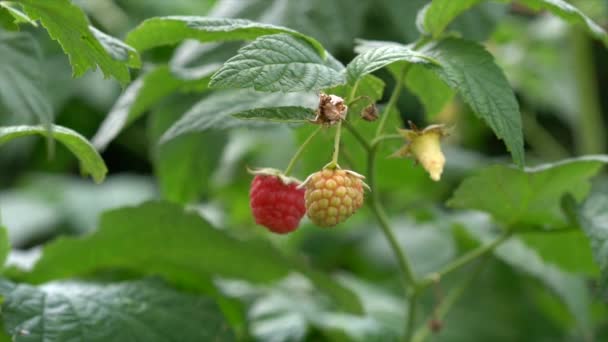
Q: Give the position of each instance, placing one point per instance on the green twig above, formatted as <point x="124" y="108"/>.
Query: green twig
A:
<point x="404" y="265"/>
<point x="411" y="315"/>
<point x="334" y="159"/>
<point x="391" y="103"/>
<point x="463" y="260"/>
<point x="381" y="138"/>
<point x="590" y="135"/>
<point x="336" y="155"/>
<point x="448" y="302"/>
<point x="407" y="275"/>
<point x="298" y="154"/>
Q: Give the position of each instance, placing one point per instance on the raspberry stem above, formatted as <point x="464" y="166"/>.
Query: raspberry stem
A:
<point x="392" y="100"/>
<point x="334" y="160"/>
<point x="410" y="287"/>
<point x="446" y="304"/>
<point x="298" y="154"/>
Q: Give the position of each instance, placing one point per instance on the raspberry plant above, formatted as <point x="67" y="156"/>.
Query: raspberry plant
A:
<point x="418" y="226"/>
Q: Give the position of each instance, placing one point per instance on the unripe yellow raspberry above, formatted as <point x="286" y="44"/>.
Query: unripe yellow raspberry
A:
<point x="332" y="196"/>
<point x="424" y="145"/>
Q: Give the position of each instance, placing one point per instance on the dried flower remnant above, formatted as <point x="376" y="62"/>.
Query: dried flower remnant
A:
<point x="370" y="113"/>
<point x="331" y="110"/>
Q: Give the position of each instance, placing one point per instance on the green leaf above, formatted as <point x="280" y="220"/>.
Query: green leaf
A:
<point x="551" y="246"/>
<point x="162" y="239"/>
<point x="21" y="90"/>
<point x="184" y="166"/>
<point x="68" y="25"/>
<point x="468" y="68"/>
<point x="143" y="93"/>
<point x="430" y="89"/>
<point x="117" y="48"/>
<point x="372" y="59"/>
<point x="11" y="17"/>
<point x="90" y="161"/>
<point x="570" y="288"/>
<point x="180" y="177"/>
<point x="570" y="14"/>
<point x="323" y="19"/>
<point x="278" y="114"/>
<point x="171" y="30"/>
<point x="5" y="245"/>
<point x="369" y="86"/>
<point x="528" y="197"/>
<point x="7" y="21"/>
<point x="292" y="306"/>
<point x="144" y="310"/>
<point x="593" y="216"/>
<point x="435" y="17"/>
<point x="215" y="111"/>
<point x="279" y="62"/>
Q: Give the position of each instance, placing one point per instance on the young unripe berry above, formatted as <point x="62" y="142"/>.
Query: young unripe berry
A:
<point x="332" y="196"/>
<point x="424" y="145"/>
<point x="276" y="203"/>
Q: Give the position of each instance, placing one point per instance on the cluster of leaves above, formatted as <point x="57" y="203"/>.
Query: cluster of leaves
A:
<point x="161" y="271"/>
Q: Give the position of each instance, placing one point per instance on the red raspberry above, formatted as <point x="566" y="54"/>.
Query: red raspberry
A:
<point x="276" y="205"/>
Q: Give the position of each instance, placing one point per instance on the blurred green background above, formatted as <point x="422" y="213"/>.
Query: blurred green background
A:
<point x="560" y="76"/>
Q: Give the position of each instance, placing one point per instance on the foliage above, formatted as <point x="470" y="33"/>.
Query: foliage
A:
<point x="171" y="104"/>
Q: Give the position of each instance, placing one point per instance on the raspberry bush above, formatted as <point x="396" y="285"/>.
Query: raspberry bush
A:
<point x="266" y="170"/>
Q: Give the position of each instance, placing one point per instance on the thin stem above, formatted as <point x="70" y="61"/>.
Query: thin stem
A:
<point x="392" y="100"/>
<point x="407" y="275"/>
<point x="391" y="103"/>
<point x="351" y="97"/>
<point x="336" y="155"/>
<point x="411" y="316"/>
<point x="381" y="138"/>
<point x="589" y="134"/>
<point x="448" y="302"/>
<point x="463" y="260"/>
<point x="298" y="154"/>
<point x="404" y="265"/>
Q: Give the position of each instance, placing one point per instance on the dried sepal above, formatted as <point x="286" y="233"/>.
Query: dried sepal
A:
<point x="370" y="113"/>
<point x="267" y="171"/>
<point x="350" y="172"/>
<point x="332" y="109"/>
<point x="425" y="147"/>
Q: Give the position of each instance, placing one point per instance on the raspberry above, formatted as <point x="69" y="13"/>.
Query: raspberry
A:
<point x="424" y="146"/>
<point x="276" y="204"/>
<point x="332" y="196"/>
